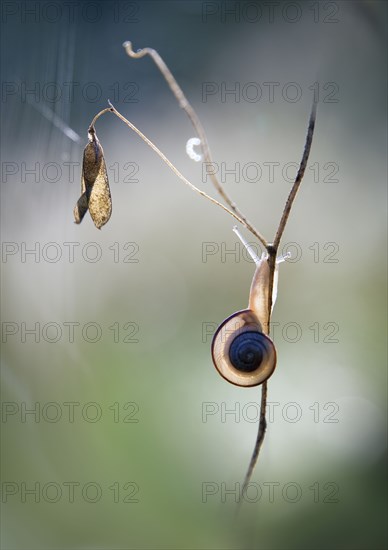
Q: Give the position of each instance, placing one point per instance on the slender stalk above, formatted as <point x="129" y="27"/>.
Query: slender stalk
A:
<point x="91" y="126"/>
<point x="258" y="443"/>
<point x="271" y="248"/>
<point x="264" y="387"/>
<point x="170" y="164"/>
<point x="272" y="251"/>
<point x="299" y="177"/>
<point x="186" y="106"/>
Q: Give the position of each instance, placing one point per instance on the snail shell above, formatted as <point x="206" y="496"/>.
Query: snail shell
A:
<point x="242" y="353"/>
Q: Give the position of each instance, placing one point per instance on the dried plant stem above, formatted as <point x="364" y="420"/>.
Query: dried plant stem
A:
<point x="264" y="391"/>
<point x="234" y="211"/>
<point x="258" y="443"/>
<point x="272" y="252"/>
<point x="170" y="164"/>
<point x="91" y="126"/>
<point x="299" y="177"/>
<point x="186" y="106"/>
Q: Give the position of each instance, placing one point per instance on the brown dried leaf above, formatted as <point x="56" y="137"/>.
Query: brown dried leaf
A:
<point x="81" y="208"/>
<point x="95" y="190"/>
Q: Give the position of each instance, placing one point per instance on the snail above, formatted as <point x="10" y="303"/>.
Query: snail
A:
<point x="242" y="353"/>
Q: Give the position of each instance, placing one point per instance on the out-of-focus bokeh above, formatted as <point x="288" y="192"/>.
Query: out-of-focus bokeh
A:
<point x="117" y="431"/>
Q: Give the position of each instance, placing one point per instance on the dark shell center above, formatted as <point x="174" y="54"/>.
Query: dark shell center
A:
<point x="247" y="351"/>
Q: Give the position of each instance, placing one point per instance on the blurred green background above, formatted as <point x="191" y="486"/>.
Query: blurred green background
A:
<point x="151" y="452"/>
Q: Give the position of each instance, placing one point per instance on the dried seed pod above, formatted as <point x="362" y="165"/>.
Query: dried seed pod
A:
<point x="95" y="190"/>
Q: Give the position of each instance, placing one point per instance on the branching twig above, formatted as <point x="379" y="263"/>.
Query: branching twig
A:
<point x="233" y="211"/>
<point x="185" y="105"/>
<point x="91" y="126"/>
<point x="170" y="164"/>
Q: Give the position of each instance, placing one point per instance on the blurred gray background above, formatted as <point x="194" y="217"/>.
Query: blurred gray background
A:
<point x="131" y="444"/>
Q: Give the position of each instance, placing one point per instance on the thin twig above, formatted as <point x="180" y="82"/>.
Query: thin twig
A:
<point x="186" y="106"/>
<point x="258" y="443"/>
<point x="264" y="387"/>
<point x="271" y="248"/>
<point x="170" y="164"/>
<point x="98" y="116"/>
<point x="298" y="179"/>
<point x="272" y="251"/>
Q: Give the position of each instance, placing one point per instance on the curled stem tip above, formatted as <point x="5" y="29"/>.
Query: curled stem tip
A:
<point x="196" y="123"/>
<point x="91" y="128"/>
<point x="127" y="45"/>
